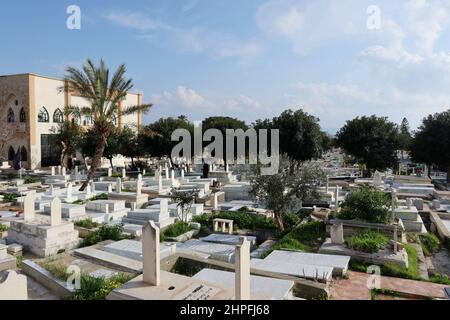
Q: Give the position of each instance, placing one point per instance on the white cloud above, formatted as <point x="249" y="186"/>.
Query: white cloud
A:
<point x="242" y="103"/>
<point x="190" y="97"/>
<point x="133" y="20"/>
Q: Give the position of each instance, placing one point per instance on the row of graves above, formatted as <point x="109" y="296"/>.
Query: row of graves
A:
<point x="222" y="261"/>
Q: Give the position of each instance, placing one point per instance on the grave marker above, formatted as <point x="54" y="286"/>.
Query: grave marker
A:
<point x="242" y="270"/>
<point x="150" y="253"/>
<point x="28" y="206"/>
<point x="55" y="212"/>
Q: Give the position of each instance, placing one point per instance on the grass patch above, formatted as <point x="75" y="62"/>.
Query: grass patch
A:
<point x="105" y="232"/>
<point x="177" y="229"/>
<point x="392" y="269"/>
<point x="306" y="237"/>
<point x="10" y="197"/>
<point x="98" y="288"/>
<point x="3" y="228"/>
<point x="87" y="223"/>
<point x="368" y="241"/>
<point x="430" y="243"/>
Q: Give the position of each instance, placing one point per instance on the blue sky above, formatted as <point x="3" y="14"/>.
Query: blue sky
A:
<point x="248" y="59"/>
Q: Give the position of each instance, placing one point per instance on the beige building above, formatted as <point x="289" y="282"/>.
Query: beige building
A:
<point x="31" y="107"/>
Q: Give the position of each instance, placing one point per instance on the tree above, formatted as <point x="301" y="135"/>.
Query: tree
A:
<point x="156" y="138"/>
<point x="431" y="142"/>
<point x="184" y="200"/>
<point x="295" y="181"/>
<point x="368" y="204"/>
<point x="404" y="136"/>
<point x="372" y="141"/>
<point x="300" y="135"/>
<point x="104" y="94"/>
<point x="67" y="136"/>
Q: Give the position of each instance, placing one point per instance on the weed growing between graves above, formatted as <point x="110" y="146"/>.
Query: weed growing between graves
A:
<point x="3" y="228"/>
<point x="10" y="197"/>
<point x="176" y="229"/>
<point x="79" y="201"/>
<point x="385" y="292"/>
<point x="306" y="237"/>
<point x="105" y="232"/>
<point x="58" y="269"/>
<point x="440" y="278"/>
<point x="430" y="243"/>
<point x="102" y="196"/>
<point x="19" y="260"/>
<point x="368" y="241"/>
<point x="28" y="179"/>
<point x="87" y="223"/>
<point x="98" y="288"/>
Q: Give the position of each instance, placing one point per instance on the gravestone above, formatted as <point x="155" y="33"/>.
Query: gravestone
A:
<point x="215" y="202"/>
<point x="377" y="179"/>
<point x="63" y="173"/>
<point x="69" y="190"/>
<point x="59" y="170"/>
<point x="337" y="233"/>
<point x="28" y="206"/>
<point x="109" y="172"/>
<point x="139" y="185"/>
<point x="336" y="198"/>
<point x="242" y="269"/>
<point x="124" y="173"/>
<point x="55" y="212"/>
<point x="52" y="171"/>
<point x="172" y="176"/>
<point x="182" y="174"/>
<point x="150" y="254"/>
<point x="144" y="172"/>
<point x="327" y="185"/>
<point x="119" y="185"/>
<point x="92" y="186"/>
<point x="167" y="172"/>
<point x="76" y="172"/>
<point x="88" y="190"/>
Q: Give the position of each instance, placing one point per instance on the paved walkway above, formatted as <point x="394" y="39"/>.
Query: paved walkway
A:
<point x="355" y="287"/>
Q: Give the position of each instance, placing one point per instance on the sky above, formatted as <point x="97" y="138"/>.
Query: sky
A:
<point x="248" y="59"/>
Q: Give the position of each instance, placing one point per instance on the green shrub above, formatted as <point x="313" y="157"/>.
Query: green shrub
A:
<point x="242" y="220"/>
<point x="176" y="229"/>
<point x="106" y="232"/>
<point x="430" y="243"/>
<point x="10" y="197"/>
<point x="368" y="204"/>
<point x="368" y="241"/>
<point x="87" y="223"/>
<point x="3" y="228"/>
<point x="98" y="288"/>
<point x="290" y="220"/>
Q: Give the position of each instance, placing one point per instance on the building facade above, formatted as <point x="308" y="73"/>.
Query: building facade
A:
<point x="31" y="108"/>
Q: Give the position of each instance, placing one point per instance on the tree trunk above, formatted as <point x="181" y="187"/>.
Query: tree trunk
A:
<point x="63" y="157"/>
<point x="111" y="162"/>
<point x="279" y="220"/>
<point x="96" y="160"/>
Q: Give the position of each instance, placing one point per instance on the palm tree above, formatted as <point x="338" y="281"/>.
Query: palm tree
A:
<point x="104" y="94"/>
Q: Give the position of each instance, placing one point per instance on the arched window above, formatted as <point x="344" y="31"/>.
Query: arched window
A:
<point x="11" y="154"/>
<point x="23" y="154"/>
<point x="43" y="115"/>
<point x="23" y="116"/>
<point x="58" y="116"/>
<point x="11" y="116"/>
